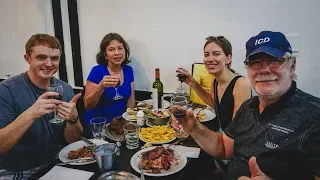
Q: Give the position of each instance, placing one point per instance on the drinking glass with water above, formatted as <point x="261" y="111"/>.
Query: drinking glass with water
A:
<point x="97" y="124"/>
<point x="131" y="135"/>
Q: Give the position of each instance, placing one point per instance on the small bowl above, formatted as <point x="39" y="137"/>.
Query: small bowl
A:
<point x="158" y="120"/>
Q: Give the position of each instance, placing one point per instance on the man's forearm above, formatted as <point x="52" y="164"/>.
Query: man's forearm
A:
<point x="12" y="133"/>
<point x="210" y="141"/>
<point x="73" y="132"/>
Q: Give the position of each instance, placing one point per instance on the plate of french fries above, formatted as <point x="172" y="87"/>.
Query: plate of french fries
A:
<point x="157" y="134"/>
<point x="204" y="115"/>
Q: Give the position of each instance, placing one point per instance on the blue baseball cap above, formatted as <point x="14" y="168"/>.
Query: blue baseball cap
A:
<point x="269" y="42"/>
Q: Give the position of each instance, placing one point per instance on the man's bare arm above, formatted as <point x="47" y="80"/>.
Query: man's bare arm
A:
<point x="12" y="133"/>
<point x="218" y="145"/>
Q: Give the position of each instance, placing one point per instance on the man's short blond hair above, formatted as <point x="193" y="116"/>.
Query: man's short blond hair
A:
<point x="42" y="39"/>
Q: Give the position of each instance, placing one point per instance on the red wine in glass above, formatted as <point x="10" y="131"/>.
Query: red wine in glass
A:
<point x="57" y="88"/>
<point x="179" y="114"/>
<point x="182" y="77"/>
<point x="57" y="97"/>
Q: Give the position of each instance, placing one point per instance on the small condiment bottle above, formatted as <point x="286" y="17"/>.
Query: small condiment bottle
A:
<point x="140" y="118"/>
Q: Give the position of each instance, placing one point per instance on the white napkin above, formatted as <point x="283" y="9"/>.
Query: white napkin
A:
<point x="190" y="152"/>
<point x="63" y="173"/>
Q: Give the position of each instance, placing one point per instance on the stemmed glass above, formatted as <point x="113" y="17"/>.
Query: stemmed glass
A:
<point x="179" y="107"/>
<point x="117" y="96"/>
<point x="58" y="89"/>
<point x="182" y="78"/>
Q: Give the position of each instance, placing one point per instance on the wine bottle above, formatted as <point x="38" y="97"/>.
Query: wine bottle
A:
<point x="158" y="86"/>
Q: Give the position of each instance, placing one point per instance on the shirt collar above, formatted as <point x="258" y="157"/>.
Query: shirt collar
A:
<point x="275" y="107"/>
<point x="35" y="86"/>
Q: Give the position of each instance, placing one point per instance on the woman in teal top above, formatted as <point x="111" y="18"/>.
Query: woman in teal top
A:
<point x="110" y="84"/>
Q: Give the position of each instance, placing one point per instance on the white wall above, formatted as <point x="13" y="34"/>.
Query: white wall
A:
<point x="19" y="19"/>
<point x="167" y="33"/>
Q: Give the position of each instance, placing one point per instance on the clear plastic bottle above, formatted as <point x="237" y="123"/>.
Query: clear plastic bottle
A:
<point x="140" y="118"/>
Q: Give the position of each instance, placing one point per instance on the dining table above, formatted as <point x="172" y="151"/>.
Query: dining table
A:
<point x="196" y="168"/>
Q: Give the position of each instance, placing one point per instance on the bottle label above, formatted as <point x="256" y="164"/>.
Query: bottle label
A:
<point x="155" y="98"/>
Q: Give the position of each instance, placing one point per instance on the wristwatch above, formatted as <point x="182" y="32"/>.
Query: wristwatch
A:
<point x="74" y="121"/>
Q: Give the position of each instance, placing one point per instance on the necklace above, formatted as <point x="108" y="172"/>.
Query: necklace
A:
<point x="113" y="72"/>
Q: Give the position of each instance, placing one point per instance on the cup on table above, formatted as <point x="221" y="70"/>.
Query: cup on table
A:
<point x="105" y="155"/>
<point x="131" y="135"/>
<point x="97" y="125"/>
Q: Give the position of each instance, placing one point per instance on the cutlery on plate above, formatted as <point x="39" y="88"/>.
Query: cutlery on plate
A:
<point x="85" y="159"/>
<point x="141" y="171"/>
<point x="174" y="143"/>
<point x="194" y="106"/>
<point x="88" y="141"/>
<point x="203" y="107"/>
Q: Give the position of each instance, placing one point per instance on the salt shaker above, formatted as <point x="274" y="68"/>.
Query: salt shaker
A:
<point x="140" y="118"/>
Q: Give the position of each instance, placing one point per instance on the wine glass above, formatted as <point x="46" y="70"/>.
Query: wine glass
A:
<point x="117" y="96"/>
<point x="179" y="107"/>
<point x="181" y="90"/>
<point x="58" y="89"/>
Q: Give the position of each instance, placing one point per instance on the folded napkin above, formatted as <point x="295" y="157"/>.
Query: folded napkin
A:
<point x="190" y="152"/>
<point x="63" y="173"/>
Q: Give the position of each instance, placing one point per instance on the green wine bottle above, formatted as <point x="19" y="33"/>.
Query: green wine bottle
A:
<point x="157" y="84"/>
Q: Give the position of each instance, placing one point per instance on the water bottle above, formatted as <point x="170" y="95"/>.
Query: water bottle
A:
<point x="140" y="118"/>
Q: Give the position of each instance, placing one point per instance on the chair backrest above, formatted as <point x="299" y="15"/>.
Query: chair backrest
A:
<point x="204" y="78"/>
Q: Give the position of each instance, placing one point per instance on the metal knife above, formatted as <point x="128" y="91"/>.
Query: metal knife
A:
<point x="87" y="141"/>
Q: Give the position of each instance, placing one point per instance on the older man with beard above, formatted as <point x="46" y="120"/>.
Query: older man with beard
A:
<point x="274" y="135"/>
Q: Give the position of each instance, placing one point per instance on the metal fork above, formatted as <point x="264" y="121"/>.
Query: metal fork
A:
<point x="203" y="107"/>
<point x="174" y="143"/>
<point x="141" y="171"/>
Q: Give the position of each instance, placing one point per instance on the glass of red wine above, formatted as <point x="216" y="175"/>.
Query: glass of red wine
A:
<point x="179" y="107"/>
<point x="117" y="96"/>
<point x="181" y="90"/>
<point x="58" y="89"/>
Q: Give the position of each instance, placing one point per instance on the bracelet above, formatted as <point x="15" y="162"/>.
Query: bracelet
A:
<point x="74" y="121"/>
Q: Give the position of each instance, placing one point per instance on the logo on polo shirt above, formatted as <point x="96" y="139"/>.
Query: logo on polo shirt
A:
<point x="262" y="40"/>
<point x="271" y="145"/>
<point x="280" y="129"/>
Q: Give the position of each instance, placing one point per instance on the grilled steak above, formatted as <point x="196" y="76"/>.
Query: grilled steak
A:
<point x="157" y="159"/>
<point x="116" y="125"/>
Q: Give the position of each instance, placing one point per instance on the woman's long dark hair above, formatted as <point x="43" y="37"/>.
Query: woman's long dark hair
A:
<point x="100" y="57"/>
<point x="224" y="44"/>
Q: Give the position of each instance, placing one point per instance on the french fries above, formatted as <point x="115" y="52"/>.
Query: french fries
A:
<point x="201" y="116"/>
<point x="157" y="134"/>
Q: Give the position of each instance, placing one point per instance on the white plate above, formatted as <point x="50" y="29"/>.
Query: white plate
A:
<point x="63" y="154"/>
<point x="149" y="101"/>
<point x="148" y="123"/>
<point x="209" y="114"/>
<point x="175" y="167"/>
<point x="164" y="142"/>
<point x="127" y="117"/>
<point x="106" y="132"/>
